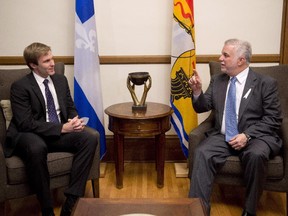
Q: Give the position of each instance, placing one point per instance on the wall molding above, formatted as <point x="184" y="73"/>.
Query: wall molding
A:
<point x="140" y="59"/>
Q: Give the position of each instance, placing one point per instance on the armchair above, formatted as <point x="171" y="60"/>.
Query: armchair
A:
<point x="13" y="179"/>
<point x="232" y="172"/>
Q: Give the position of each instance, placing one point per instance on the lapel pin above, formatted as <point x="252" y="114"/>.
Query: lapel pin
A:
<point x="247" y="94"/>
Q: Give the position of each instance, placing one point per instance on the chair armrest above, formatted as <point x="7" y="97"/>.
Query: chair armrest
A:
<point x="284" y="136"/>
<point x="198" y="133"/>
<point x="94" y="174"/>
<point x="95" y="171"/>
<point x="3" y="174"/>
<point x="196" y="136"/>
<point x="95" y="168"/>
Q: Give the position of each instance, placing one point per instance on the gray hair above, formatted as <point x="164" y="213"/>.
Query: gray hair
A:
<point x="243" y="48"/>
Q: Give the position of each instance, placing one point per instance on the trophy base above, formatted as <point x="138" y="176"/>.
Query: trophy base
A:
<point x="139" y="108"/>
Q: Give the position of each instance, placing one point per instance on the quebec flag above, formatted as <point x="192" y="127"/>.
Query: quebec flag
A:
<point x="87" y="83"/>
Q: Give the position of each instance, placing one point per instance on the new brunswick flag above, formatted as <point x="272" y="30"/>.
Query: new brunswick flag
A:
<point x="183" y="61"/>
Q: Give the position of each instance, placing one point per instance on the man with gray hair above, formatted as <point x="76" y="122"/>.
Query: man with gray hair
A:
<point x="247" y="120"/>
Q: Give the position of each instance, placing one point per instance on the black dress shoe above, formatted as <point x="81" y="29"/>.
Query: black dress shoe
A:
<point x="68" y="205"/>
<point x="245" y="213"/>
<point x="47" y="212"/>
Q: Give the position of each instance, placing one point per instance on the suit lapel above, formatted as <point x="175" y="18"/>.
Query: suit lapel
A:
<point x="222" y="88"/>
<point x="58" y="89"/>
<point x="37" y="90"/>
<point x="247" y="93"/>
<point x="58" y="85"/>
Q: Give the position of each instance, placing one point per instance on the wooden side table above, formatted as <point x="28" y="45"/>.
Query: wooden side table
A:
<point x="155" y="121"/>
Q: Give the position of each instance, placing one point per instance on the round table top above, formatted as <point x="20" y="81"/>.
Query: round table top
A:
<point x="124" y="110"/>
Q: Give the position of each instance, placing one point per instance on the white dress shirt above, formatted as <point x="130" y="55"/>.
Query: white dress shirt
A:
<point x="240" y="83"/>
<point x="40" y="80"/>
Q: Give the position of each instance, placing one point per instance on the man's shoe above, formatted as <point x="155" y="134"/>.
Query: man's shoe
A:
<point x="47" y="212"/>
<point x="69" y="205"/>
<point x="245" y="213"/>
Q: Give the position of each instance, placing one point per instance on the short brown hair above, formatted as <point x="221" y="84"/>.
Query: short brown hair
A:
<point x="34" y="51"/>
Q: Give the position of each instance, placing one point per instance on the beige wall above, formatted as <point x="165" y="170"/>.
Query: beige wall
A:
<point x="137" y="27"/>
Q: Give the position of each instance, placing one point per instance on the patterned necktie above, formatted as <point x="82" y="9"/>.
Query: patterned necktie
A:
<point x="230" y="117"/>
<point x="52" y="115"/>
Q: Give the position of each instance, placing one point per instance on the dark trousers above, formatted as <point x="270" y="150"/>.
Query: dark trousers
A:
<point x="33" y="150"/>
<point x="211" y="155"/>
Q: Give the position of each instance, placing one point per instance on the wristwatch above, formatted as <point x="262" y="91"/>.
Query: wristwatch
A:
<point x="247" y="136"/>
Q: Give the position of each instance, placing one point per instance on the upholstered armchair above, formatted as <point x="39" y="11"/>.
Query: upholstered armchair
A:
<point x="231" y="173"/>
<point x="13" y="179"/>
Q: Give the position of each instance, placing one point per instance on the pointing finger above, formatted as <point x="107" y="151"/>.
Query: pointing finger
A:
<point x="195" y="73"/>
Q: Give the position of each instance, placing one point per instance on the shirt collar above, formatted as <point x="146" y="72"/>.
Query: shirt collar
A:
<point x="242" y="76"/>
<point x="40" y="79"/>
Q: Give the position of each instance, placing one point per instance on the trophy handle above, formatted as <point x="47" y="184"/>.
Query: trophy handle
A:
<point x="146" y="89"/>
<point x="132" y="91"/>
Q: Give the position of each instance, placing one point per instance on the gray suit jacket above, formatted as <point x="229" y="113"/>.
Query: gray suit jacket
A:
<point x="259" y="113"/>
<point x="29" y="112"/>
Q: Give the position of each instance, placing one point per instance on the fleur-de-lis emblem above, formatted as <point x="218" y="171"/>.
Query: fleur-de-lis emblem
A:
<point x="87" y="39"/>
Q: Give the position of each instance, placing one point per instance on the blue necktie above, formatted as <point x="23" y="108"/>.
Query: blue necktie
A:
<point x="52" y="115"/>
<point x="230" y="117"/>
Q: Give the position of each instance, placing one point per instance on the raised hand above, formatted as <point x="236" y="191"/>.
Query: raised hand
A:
<point x="195" y="83"/>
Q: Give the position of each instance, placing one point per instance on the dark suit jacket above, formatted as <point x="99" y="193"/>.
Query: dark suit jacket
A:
<point x="29" y="113"/>
<point x="259" y="113"/>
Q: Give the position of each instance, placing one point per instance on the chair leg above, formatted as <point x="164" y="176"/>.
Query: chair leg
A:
<point x="287" y="204"/>
<point x="95" y="187"/>
<point x="58" y="195"/>
<point x="2" y="208"/>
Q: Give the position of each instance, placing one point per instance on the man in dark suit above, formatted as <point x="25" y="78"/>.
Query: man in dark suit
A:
<point x="34" y="132"/>
<point x="257" y="120"/>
